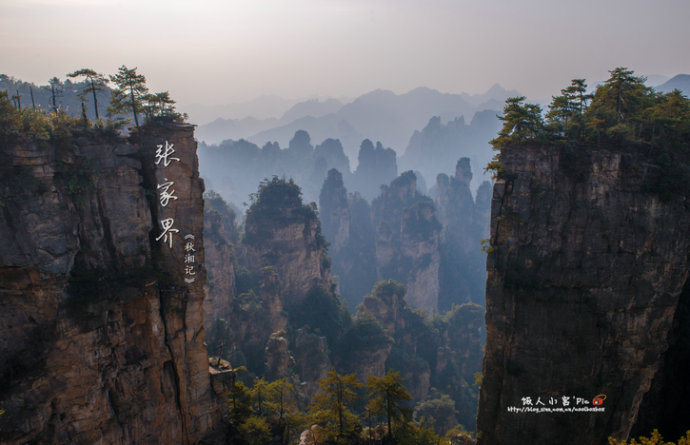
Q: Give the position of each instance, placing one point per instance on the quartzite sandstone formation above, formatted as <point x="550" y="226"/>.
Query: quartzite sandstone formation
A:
<point x="103" y="339"/>
<point x="586" y="289"/>
<point x="407" y="240"/>
<point x="465" y="223"/>
<point x="284" y="235"/>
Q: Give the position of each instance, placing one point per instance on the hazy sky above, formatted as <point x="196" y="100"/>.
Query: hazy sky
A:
<point x="223" y="51"/>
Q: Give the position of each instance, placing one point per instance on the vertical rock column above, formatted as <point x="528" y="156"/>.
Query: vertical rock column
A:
<point x="171" y="175"/>
<point x="584" y="277"/>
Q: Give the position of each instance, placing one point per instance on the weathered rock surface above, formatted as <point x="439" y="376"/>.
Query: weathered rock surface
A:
<point x="278" y="358"/>
<point x="281" y="282"/>
<point x="103" y="340"/>
<point x="334" y="212"/>
<point x="287" y="238"/>
<point x="407" y="240"/>
<point x="465" y="223"/>
<point x="444" y="356"/>
<point x="346" y="222"/>
<point x="585" y="296"/>
<point x="220" y="289"/>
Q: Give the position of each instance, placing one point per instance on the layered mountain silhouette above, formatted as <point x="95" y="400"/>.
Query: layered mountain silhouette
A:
<point x="380" y="115"/>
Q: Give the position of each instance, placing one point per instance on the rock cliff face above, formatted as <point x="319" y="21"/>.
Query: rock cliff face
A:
<point x="399" y="237"/>
<point x="279" y="283"/>
<point x="220" y="289"/>
<point x="465" y="223"/>
<point x="587" y="294"/>
<point x="346" y="221"/>
<point x="103" y="340"/>
<point x="283" y="234"/>
<point x="376" y="166"/>
<point x="334" y="211"/>
<point x="443" y="355"/>
<point x="407" y="240"/>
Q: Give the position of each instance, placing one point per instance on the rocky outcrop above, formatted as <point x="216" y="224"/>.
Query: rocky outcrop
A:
<point x="407" y="240"/>
<point x="334" y="211"/>
<point x="278" y="358"/>
<point x="103" y="337"/>
<point x="220" y="289"/>
<point x="419" y="245"/>
<point x="465" y="223"/>
<point x="482" y="208"/>
<point x="281" y="287"/>
<point x="445" y="356"/>
<point x="346" y="221"/>
<point x="253" y="316"/>
<point x="376" y="166"/>
<point x="399" y="237"/>
<point x="285" y="235"/>
<point x="436" y="148"/>
<point x="586" y="291"/>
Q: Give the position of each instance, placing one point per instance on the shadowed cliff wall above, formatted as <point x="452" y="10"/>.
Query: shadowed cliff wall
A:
<point x="103" y="338"/>
<point x="586" y="273"/>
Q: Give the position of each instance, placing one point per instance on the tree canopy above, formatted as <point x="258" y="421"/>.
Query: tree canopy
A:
<point x="387" y="397"/>
<point x="53" y="109"/>
<point x="95" y="81"/>
<point x="130" y="93"/>
<point x="622" y="110"/>
<point x="332" y="407"/>
<point x="521" y="122"/>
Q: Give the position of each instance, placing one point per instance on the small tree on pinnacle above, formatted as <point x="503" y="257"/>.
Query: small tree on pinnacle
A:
<point x="96" y="82"/>
<point x="130" y="94"/>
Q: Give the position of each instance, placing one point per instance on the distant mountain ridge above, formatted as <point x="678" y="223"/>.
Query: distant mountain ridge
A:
<point x="680" y="82"/>
<point x="380" y="115"/>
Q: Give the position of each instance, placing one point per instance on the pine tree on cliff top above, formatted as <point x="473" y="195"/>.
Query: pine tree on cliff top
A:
<point x="130" y="94"/>
<point x="96" y="82"/>
<point x="521" y="121"/>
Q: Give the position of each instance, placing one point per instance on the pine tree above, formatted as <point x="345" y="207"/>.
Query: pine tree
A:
<point x="160" y="105"/>
<point x="331" y="406"/>
<point x="521" y="121"/>
<point x="55" y="92"/>
<point x="626" y="89"/>
<point x="281" y="403"/>
<point x="388" y="397"/>
<point x="239" y="403"/>
<point x="130" y="93"/>
<point x="565" y="111"/>
<point x="259" y="393"/>
<point x="96" y="82"/>
<point x="620" y="101"/>
<point x="577" y="91"/>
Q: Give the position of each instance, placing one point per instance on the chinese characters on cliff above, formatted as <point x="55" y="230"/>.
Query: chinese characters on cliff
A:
<point x="166" y="194"/>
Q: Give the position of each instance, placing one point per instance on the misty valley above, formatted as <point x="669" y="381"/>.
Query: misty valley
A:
<point x="423" y="268"/>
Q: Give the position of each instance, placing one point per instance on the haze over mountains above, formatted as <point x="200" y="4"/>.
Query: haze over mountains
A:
<point x="679" y="82"/>
<point x="427" y="129"/>
<point x="380" y="115"/>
